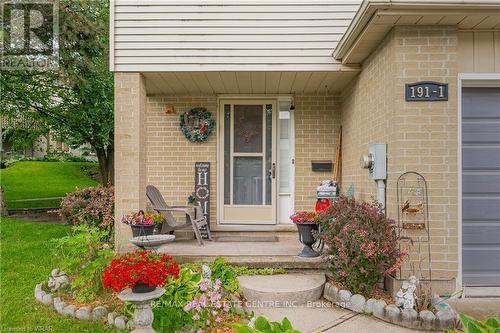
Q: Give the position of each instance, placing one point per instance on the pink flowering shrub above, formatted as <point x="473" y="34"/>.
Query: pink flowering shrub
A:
<point x="210" y="308"/>
<point x="362" y="242"/>
<point x="93" y="206"/>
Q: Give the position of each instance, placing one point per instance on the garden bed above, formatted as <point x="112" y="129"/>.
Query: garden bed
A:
<point x="410" y="318"/>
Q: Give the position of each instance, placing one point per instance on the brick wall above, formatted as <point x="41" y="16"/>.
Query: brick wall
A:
<point x="426" y="134"/>
<point x="367" y="117"/>
<point x="317" y="122"/>
<point x="421" y="136"/>
<point x="168" y="158"/>
<point x="130" y="153"/>
<point x="171" y="157"/>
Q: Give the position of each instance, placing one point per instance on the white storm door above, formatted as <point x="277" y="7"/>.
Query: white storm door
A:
<point x="248" y="162"/>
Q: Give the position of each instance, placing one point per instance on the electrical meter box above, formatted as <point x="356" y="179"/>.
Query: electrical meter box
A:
<point x="376" y="161"/>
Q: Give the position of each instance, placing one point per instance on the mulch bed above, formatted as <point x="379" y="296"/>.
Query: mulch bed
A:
<point x="378" y="293"/>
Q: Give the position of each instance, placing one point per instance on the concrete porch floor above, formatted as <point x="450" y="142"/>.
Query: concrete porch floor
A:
<point x="282" y="253"/>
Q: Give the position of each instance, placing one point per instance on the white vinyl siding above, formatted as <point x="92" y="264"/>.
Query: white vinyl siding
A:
<point x="207" y="35"/>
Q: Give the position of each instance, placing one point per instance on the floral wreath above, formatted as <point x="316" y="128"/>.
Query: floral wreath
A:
<point x="203" y="124"/>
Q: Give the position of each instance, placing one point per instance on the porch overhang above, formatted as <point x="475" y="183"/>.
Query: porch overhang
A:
<point x="249" y="82"/>
<point x="376" y="18"/>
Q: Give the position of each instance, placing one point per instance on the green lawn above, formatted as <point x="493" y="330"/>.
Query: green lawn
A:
<point x="25" y="260"/>
<point x="32" y="179"/>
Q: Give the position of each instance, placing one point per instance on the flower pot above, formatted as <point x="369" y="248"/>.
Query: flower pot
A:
<point x="158" y="227"/>
<point x="142" y="288"/>
<point x="306" y="237"/>
<point x="142" y="229"/>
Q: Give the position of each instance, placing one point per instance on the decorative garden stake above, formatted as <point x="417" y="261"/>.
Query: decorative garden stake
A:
<point x="143" y="314"/>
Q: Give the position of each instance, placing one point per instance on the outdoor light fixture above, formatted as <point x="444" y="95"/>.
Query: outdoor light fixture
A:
<point x="170" y="109"/>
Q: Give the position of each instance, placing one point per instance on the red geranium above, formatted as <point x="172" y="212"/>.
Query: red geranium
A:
<point x="141" y="267"/>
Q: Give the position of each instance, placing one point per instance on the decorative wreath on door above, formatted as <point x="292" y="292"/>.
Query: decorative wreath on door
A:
<point x="197" y="124"/>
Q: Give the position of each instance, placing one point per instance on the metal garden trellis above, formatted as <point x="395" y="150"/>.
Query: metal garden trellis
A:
<point x="413" y="213"/>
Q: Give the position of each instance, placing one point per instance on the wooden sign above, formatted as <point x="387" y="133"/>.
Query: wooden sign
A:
<point x="202" y="191"/>
<point x="425" y="91"/>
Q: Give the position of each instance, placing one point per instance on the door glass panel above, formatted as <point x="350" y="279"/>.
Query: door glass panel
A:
<point x="285" y="155"/>
<point x="269" y="152"/>
<point x="248" y="129"/>
<point x="227" y="153"/>
<point x="247" y="180"/>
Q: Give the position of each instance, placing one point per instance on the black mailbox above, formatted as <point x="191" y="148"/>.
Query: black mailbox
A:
<point x="326" y="165"/>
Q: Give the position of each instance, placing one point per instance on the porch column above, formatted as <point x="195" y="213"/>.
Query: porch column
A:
<point x="130" y="151"/>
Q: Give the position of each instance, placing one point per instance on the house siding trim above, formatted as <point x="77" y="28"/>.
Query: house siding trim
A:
<point x="233" y="35"/>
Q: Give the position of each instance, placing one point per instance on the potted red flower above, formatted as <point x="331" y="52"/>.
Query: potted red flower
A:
<point x="142" y="271"/>
<point x="140" y="223"/>
<point x="306" y="223"/>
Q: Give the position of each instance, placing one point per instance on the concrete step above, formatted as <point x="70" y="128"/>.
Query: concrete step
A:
<point x="288" y="262"/>
<point x="279" y="234"/>
<point x="283" y="290"/>
<point x="481" y="292"/>
<point x="478" y="308"/>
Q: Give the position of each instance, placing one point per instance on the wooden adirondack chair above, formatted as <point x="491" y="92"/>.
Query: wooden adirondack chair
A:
<point x="194" y="215"/>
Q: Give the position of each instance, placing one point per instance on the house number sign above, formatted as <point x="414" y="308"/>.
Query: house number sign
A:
<point x="202" y="190"/>
<point x="426" y="91"/>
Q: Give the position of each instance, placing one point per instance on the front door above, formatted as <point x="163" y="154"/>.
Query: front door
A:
<point x="248" y="165"/>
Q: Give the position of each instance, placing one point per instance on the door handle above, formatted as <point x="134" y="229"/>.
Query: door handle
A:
<point x="273" y="171"/>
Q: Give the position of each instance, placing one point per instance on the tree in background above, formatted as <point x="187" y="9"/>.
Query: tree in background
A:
<point x="76" y="101"/>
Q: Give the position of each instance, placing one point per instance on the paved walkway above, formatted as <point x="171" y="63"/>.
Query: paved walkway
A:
<point x="322" y="316"/>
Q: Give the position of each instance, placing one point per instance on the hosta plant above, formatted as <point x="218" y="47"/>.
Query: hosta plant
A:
<point x="471" y="325"/>
<point x="362" y="243"/>
<point x="262" y="324"/>
<point x="169" y="314"/>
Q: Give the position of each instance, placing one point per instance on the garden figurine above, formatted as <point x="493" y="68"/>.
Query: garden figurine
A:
<point x="405" y="297"/>
<point x="57" y="280"/>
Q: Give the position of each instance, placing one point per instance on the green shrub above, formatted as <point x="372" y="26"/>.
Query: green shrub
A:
<point x="362" y="243"/>
<point x="83" y="255"/>
<point x="262" y="324"/>
<point x="91" y="170"/>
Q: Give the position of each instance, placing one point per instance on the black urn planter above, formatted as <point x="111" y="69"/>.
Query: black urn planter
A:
<point x="306" y="237"/>
<point x="142" y="229"/>
<point x="142" y="288"/>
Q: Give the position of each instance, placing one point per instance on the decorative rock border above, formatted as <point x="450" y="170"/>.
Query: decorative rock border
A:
<point x="84" y="312"/>
<point x="425" y="320"/>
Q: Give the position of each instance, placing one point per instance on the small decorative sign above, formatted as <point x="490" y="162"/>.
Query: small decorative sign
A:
<point x="426" y="91"/>
<point x="202" y="191"/>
